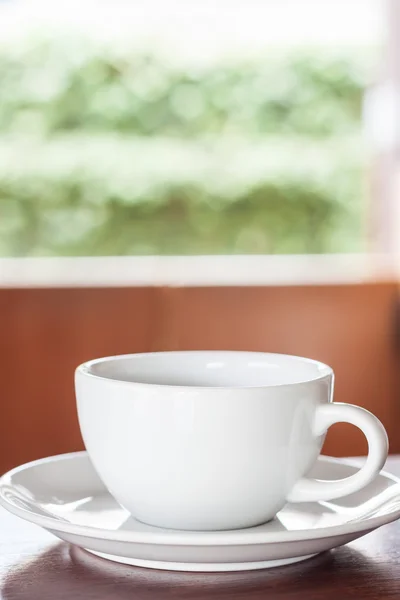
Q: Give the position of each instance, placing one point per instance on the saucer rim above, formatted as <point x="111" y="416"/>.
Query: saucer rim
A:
<point x="187" y="538"/>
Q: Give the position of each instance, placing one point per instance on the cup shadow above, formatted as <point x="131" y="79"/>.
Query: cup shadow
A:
<point x="66" y="572"/>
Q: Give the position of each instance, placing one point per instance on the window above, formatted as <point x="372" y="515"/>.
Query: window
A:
<point x="178" y="128"/>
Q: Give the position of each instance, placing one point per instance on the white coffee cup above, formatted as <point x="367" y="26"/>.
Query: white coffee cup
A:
<point x="215" y="440"/>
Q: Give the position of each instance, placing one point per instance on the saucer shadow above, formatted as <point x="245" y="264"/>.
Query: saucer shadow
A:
<point x="67" y="572"/>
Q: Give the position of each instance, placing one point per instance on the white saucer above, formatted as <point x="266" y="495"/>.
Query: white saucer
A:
<point x="64" y="495"/>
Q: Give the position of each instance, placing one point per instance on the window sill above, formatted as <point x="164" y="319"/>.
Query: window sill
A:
<point x="193" y="271"/>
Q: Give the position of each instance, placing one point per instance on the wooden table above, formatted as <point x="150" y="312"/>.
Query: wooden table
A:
<point x="35" y="566"/>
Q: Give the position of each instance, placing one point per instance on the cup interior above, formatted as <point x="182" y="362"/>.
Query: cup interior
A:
<point x="205" y="369"/>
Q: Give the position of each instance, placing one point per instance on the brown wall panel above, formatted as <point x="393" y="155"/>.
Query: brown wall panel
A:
<point x="45" y="333"/>
<point x="350" y="327"/>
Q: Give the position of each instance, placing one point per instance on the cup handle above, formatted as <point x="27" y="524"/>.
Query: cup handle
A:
<point x="313" y="490"/>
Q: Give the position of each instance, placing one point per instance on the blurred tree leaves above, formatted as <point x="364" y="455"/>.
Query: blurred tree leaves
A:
<point x="127" y="152"/>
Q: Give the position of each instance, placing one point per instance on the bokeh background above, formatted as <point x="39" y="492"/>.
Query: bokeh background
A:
<point x="200" y="133"/>
<point x="184" y="175"/>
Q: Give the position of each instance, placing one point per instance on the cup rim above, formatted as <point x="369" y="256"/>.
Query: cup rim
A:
<point x="85" y="370"/>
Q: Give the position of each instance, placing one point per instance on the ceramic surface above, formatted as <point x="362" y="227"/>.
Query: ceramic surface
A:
<point x="65" y="495"/>
<point x="214" y="440"/>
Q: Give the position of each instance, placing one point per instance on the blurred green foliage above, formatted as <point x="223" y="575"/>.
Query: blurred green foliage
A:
<point x="116" y="151"/>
